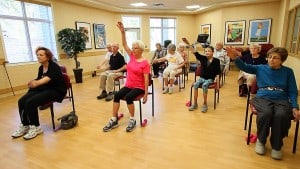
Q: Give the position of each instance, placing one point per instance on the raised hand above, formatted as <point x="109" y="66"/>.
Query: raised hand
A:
<point x="120" y="26"/>
<point x="185" y="41"/>
<point x="232" y="52"/>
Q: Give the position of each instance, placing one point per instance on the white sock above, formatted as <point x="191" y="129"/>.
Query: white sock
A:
<point x="114" y="118"/>
<point x="132" y="118"/>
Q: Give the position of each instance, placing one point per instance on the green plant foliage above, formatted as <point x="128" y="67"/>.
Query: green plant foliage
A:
<point x="72" y="42"/>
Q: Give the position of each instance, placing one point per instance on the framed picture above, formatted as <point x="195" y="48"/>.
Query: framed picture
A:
<point x="99" y="36"/>
<point x="206" y="29"/>
<point x="235" y="32"/>
<point x="259" y="31"/>
<point x="86" y="29"/>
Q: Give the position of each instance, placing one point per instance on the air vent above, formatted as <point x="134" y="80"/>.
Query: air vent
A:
<point x="158" y="5"/>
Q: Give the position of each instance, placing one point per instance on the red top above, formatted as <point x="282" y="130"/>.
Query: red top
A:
<point x="135" y="73"/>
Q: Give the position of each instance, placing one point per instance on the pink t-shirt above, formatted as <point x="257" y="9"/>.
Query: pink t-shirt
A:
<point x="135" y="73"/>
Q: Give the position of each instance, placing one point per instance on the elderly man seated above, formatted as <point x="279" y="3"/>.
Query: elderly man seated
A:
<point x="117" y="66"/>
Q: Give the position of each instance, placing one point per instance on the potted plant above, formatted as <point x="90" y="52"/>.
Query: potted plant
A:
<point x="72" y="42"/>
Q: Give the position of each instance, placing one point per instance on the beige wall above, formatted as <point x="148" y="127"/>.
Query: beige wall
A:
<point x="66" y="14"/>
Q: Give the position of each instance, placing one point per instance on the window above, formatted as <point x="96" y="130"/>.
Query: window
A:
<point x="25" y="26"/>
<point x="132" y="25"/>
<point x="293" y="37"/>
<point x="162" y="29"/>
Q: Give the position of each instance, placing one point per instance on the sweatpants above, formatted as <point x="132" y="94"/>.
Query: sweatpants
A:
<point x="274" y="114"/>
<point x="29" y="103"/>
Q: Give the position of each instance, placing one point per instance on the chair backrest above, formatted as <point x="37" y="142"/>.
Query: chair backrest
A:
<point x="198" y="70"/>
<point x="63" y="69"/>
<point x="67" y="80"/>
<point x="253" y="87"/>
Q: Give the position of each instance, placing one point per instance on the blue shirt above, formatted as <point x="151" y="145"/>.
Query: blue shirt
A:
<point x="282" y="78"/>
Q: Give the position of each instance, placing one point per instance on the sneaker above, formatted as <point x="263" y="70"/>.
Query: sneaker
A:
<point x="111" y="125"/>
<point x="166" y="90"/>
<point x="131" y="125"/>
<point x="102" y="95"/>
<point x="170" y="90"/>
<point x="33" y="132"/>
<point x="204" y="108"/>
<point x="193" y="107"/>
<point x="260" y="148"/>
<point x="276" y="154"/>
<point x="20" y="131"/>
<point x="109" y="97"/>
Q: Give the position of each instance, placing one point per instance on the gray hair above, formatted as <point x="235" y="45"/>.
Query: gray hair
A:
<point x="171" y="47"/>
<point x="255" y="45"/>
<point x="140" y="44"/>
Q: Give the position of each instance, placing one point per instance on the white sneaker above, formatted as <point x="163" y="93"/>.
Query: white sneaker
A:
<point x="33" y="132"/>
<point x="170" y="90"/>
<point x="276" y="154"/>
<point x="20" y="131"/>
<point x="166" y="90"/>
<point x="260" y="148"/>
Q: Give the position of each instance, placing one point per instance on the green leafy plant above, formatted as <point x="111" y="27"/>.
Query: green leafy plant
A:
<point x="72" y="42"/>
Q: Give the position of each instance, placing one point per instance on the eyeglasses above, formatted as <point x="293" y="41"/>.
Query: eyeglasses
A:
<point x="273" y="57"/>
<point x="135" y="48"/>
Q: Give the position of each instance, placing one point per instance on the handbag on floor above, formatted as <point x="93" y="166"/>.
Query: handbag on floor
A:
<point x="68" y="121"/>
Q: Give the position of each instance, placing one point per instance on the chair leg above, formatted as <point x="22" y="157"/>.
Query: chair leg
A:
<point x="247" y="108"/>
<point x="215" y="98"/>
<point x="249" y="129"/>
<point x="52" y="116"/>
<point x="296" y="137"/>
<point x="152" y="100"/>
<point x="141" y="118"/>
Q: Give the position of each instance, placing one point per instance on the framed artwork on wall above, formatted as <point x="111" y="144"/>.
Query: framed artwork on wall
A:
<point x="99" y="36"/>
<point x="259" y="31"/>
<point x="235" y="32"/>
<point x="206" y="29"/>
<point x="86" y="29"/>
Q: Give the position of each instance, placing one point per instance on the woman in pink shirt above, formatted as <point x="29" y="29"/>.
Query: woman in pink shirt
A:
<point x="138" y="69"/>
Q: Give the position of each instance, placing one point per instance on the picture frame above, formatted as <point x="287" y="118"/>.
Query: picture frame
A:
<point x="99" y="36"/>
<point x="235" y="32"/>
<point x="85" y="27"/>
<point x="259" y="31"/>
<point x="206" y="29"/>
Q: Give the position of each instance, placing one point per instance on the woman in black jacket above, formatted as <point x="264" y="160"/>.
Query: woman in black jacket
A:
<point x="48" y="86"/>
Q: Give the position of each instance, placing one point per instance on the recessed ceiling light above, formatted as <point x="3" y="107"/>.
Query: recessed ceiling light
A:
<point x="138" y="4"/>
<point x="193" y="6"/>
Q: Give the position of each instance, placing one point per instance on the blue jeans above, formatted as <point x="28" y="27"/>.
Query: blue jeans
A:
<point x="204" y="83"/>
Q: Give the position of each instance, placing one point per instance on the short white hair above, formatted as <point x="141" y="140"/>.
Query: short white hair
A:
<point x="139" y="43"/>
<point x="255" y="45"/>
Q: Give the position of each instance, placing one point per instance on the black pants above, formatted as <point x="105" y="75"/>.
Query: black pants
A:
<point x="274" y="114"/>
<point x="156" y="67"/>
<point x="129" y="94"/>
<point x="28" y="105"/>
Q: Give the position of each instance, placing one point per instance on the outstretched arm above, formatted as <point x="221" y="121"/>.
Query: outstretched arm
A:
<point x="124" y="42"/>
<point x="188" y="43"/>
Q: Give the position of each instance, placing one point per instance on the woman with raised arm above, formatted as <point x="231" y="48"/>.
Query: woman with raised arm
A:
<point x="138" y="70"/>
<point x="276" y="99"/>
<point x="210" y="70"/>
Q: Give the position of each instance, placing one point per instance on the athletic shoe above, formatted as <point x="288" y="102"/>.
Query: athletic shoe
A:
<point x="20" y="131"/>
<point x="131" y="125"/>
<point x="33" y="132"/>
<point x="111" y="125"/>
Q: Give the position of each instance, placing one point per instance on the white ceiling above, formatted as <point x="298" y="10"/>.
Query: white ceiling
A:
<point x="162" y="6"/>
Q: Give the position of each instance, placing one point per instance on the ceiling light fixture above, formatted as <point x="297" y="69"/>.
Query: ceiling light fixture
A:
<point x="138" y="4"/>
<point x="193" y="6"/>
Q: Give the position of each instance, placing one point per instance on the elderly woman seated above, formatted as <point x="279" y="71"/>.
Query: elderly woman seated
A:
<point x="252" y="58"/>
<point x="175" y="64"/>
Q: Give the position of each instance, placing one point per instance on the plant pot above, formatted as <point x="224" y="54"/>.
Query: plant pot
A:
<point x="78" y="75"/>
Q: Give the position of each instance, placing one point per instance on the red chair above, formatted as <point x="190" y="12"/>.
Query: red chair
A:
<point x="140" y="97"/>
<point x="68" y="96"/>
<point x="254" y="89"/>
<point x="215" y="86"/>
